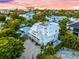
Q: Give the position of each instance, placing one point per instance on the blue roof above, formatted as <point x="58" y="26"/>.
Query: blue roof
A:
<point x="45" y="32"/>
<point x="25" y="29"/>
<point x="30" y="14"/>
<point x="75" y="25"/>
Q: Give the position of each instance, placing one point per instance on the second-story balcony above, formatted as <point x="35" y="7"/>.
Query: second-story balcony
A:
<point x="76" y="30"/>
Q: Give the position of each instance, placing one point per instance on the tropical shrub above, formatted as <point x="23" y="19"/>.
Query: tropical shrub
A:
<point x="43" y="56"/>
<point x="8" y="32"/>
<point x="70" y="41"/>
<point x="2" y="18"/>
<point x="10" y="48"/>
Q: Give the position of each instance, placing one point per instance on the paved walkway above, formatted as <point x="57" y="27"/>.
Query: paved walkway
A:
<point x="31" y="50"/>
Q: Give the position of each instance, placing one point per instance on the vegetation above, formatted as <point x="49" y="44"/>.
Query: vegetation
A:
<point x="2" y="18"/>
<point x="68" y="39"/>
<point x="37" y="18"/>
<point x="43" y="56"/>
<point x="14" y="15"/>
<point x="10" y="27"/>
<point x="40" y="17"/>
<point x="48" y="52"/>
<point x="10" y="48"/>
<point x="76" y="15"/>
<point x="63" y="26"/>
<point x="30" y="22"/>
<point x="68" y="13"/>
<point x="49" y="49"/>
<point x="8" y="32"/>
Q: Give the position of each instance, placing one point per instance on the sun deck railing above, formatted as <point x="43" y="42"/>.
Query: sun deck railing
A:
<point x="34" y="38"/>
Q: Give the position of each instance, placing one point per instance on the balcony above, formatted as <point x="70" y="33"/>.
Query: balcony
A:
<point x="76" y="30"/>
<point x="34" y="38"/>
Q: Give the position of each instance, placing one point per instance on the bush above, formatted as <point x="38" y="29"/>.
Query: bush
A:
<point x="10" y="48"/>
<point x="50" y="49"/>
<point x="59" y="46"/>
<point x="2" y="18"/>
<point x="8" y="32"/>
<point x="43" y="56"/>
<point x="70" y="41"/>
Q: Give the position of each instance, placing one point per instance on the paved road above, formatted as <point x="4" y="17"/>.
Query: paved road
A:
<point x="31" y="50"/>
<point x="68" y="54"/>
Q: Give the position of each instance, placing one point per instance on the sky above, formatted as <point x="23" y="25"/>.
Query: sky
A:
<point x="55" y="4"/>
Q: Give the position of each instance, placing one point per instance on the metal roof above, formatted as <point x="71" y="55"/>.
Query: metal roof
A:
<point x="75" y="25"/>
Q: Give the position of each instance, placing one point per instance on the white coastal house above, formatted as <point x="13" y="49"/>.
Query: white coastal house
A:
<point x="73" y="26"/>
<point x="28" y="15"/>
<point x="7" y="18"/>
<point x="6" y="11"/>
<point x="22" y="13"/>
<point x="43" y="33"/>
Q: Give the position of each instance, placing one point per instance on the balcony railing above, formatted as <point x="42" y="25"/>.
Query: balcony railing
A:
<point x="76" y="30"/>
<point x="34" y="38"/>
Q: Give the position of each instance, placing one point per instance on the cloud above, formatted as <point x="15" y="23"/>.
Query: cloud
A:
<point x="75" y="7"/>
<point x="64" y="4"/>
<point x="2" y="1"/>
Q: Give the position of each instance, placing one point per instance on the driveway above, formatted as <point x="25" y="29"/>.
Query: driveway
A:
<point x="31" y="50"/>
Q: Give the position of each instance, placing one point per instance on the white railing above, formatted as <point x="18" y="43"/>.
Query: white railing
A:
<point x="34" y="38"/>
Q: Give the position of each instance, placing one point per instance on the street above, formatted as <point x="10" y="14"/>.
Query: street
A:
<point x="31" y="50"/>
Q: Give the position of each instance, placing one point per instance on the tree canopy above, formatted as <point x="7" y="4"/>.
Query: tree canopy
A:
<point x="2" y="18"/>
<point x="10" y="48"/>
<point x="43" y="56"/>
<point x="40" y="17"/>
<point x="69" y="39"/>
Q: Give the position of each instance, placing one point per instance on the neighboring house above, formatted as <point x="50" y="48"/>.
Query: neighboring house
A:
<point x="22" y="13"/>
<point x="56" y="18"/>
<point x="73" y="26"/>
<point x="7" y="18"/>
<point x="0" y="25"/>
<point x="43" y="33"/>
<point x="4" y="11"/>
<point x="30" y="15"/>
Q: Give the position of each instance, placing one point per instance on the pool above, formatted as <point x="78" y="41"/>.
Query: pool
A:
<point x="24" y="28"/>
